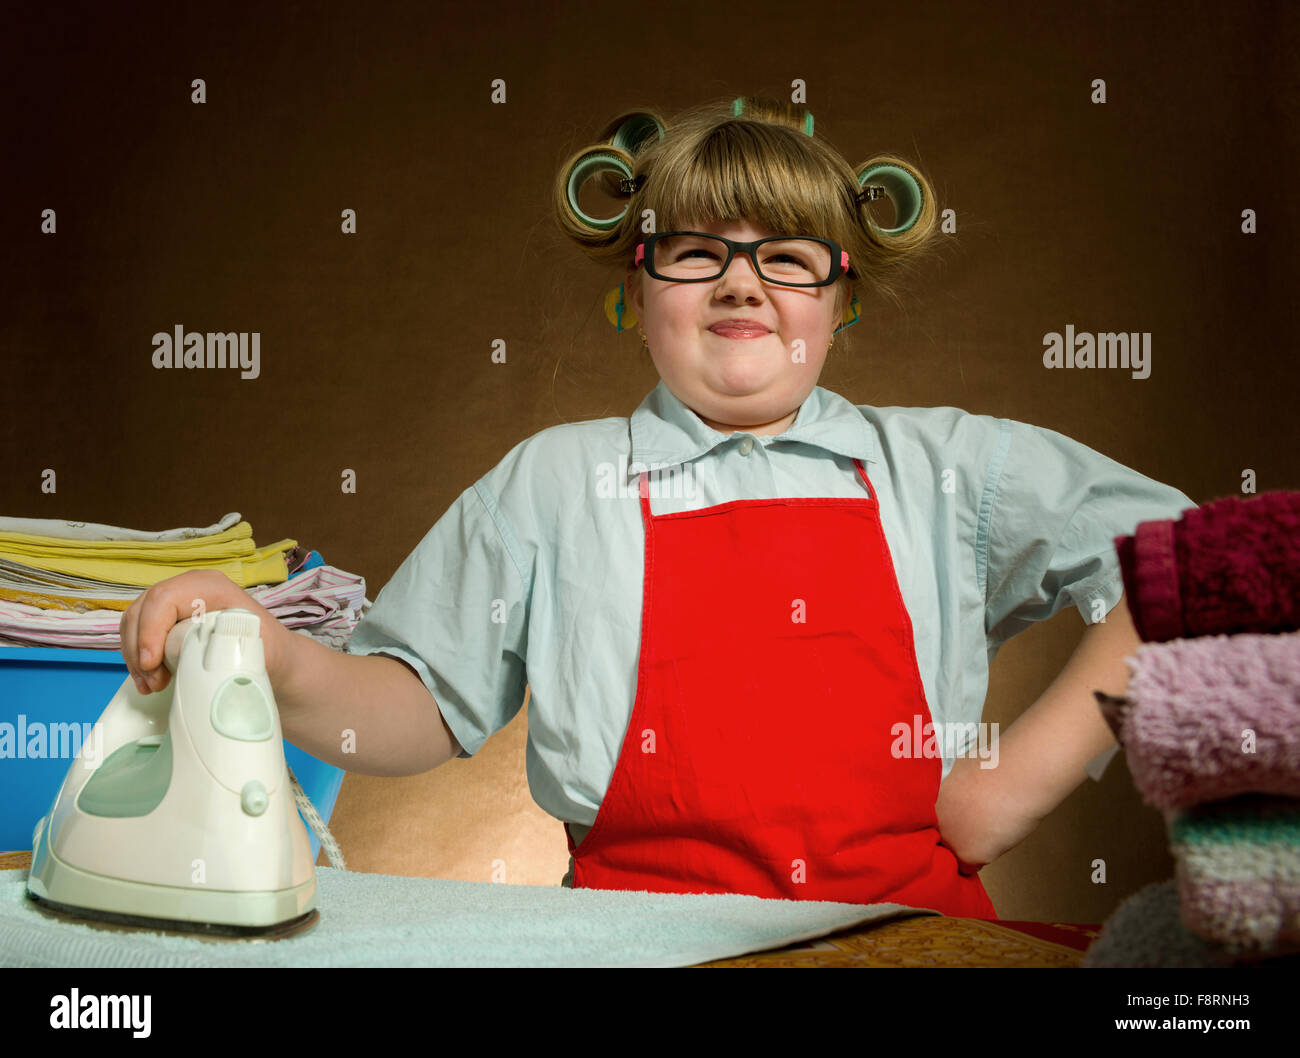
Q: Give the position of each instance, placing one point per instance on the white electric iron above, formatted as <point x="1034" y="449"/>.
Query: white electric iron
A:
<point x="178" y="814"/>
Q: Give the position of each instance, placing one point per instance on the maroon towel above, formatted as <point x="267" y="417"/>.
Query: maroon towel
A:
<point x="1230" y="566"/>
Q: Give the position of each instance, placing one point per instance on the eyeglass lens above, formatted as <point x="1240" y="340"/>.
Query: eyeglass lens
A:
<point x="793" y="260"/>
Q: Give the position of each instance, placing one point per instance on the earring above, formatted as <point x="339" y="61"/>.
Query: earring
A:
<point x="618" y="311"/>
<point x="644" y="344"/>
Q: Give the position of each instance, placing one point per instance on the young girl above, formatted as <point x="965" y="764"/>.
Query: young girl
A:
<point x="741" y="609"/>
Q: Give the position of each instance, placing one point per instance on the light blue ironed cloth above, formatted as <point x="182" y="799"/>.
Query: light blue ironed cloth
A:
<point x="386" y="920"/>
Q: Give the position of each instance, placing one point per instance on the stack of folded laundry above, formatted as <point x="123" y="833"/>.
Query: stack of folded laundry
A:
<point x="1210" y="725"/>
<point x="66" y="584"/>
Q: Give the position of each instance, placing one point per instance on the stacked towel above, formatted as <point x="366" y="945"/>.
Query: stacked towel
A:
<point x="66" y="584"/>
<point x="1211" y="720"/>
<point x="1239" y="871"/>
<point x="1146" y="931"/>
<point x="1232" y="565"/>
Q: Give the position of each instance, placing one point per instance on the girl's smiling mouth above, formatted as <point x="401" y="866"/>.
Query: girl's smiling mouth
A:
<point x="738" y="328"/>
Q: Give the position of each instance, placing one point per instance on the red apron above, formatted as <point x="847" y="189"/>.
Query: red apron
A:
<point x="776" y="659"/>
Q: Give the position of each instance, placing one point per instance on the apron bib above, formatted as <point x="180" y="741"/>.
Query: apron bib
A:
<point x="776" y="659"/>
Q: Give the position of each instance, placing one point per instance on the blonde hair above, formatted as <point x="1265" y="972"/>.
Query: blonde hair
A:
<point x="708" y="164"/>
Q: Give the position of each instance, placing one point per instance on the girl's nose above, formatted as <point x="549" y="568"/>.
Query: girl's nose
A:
<point x="740" y="272"/>
<point x="748" y="264"/>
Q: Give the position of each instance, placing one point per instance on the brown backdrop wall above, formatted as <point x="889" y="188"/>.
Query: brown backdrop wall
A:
<point x="376" y="347"/>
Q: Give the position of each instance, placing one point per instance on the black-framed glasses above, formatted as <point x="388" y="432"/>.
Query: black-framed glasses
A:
<point x="699" y="257"/>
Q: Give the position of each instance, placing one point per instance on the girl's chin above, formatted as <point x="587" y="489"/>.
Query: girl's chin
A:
<point x="732" y="381"/>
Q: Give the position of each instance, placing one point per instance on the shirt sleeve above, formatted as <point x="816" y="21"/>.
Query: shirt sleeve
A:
<point x="455" y="611"/>
<point x="1054" y="507"/>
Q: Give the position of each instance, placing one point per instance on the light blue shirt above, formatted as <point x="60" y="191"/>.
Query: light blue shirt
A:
<point x="534" y="574"/>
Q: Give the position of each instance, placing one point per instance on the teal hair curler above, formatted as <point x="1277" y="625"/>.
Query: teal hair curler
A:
<point x="738" y="110"/>
<point x="588" y="165"/>
<point x="634" y="132"/>
<point x="903" y="191"/>
<point x="627" y="135"/>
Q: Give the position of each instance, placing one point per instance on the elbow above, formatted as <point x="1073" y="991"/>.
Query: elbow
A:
<point x="971" y="819"/>
<point x="960" y="836"/>
<point x="970" y="855"/>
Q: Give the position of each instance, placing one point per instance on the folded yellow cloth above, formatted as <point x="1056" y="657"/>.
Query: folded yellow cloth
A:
<point x="136" y="563"/>
<point x="266" y="565"/>
<point x="230" y="543"/>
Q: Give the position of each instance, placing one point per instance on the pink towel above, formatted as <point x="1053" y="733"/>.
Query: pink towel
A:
<point x="1211" y="718"/>
<point x="1230" y="566"/>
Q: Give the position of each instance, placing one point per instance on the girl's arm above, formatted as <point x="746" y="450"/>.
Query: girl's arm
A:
<point x="984" y="812"/>
<point x="396" y="726"/>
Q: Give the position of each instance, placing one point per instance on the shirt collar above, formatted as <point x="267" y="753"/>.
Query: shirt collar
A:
<point x="665" y="432"/>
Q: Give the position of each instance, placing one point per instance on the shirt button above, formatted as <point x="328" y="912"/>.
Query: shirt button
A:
<point x="746" y="445"/>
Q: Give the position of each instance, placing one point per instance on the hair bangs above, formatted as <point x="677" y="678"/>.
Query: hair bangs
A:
<point x="740" y="170"/>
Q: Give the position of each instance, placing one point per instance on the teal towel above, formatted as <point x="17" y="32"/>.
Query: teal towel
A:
<point x="1239" y="870"/>
<point x="385" y="920"/>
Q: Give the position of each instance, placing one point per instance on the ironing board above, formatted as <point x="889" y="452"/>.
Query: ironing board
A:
<point x="922" y="940"/>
